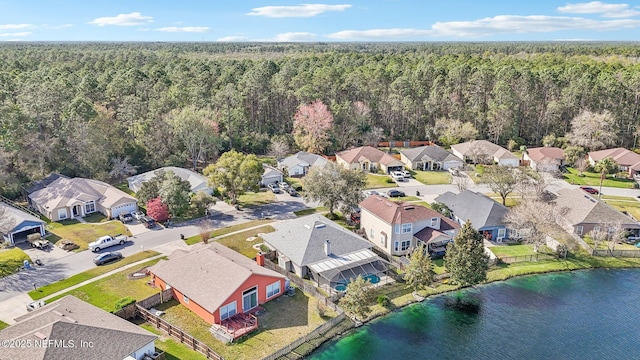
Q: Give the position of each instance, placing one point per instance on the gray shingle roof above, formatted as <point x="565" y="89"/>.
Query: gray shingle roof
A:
<point x="71" y="318"/>
<point x="433" y="153"/>
<point x="584" y="208"/>
<point x="478" y="208"/>
<point x="302" y="239"/>
<point x="483" y="147"/>
<point x="15" y="219"/>
<point x="209" y="275"/>
<point x="197" y="181"/>
<point x="304" y="159"/>
<point x="67" y="192"/>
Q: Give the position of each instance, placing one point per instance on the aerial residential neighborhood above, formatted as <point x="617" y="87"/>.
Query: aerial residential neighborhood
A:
<point x="279" y="180"/>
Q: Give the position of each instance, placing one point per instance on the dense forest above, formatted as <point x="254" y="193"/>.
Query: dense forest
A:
<point x="84" y="108"/>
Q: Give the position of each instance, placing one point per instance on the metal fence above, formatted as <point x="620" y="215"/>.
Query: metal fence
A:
<point x="526" y="258"/>
<point x="617" y="253"/>
<point x="303" y="285"/>
<point x="178" y="334"/>
<point x="313" y="335"/>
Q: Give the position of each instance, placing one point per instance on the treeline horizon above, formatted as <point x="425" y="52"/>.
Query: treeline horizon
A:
<point x="75" y="107"/>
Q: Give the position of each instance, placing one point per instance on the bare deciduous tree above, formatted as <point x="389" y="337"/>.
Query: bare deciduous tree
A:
<point x="532" y="218"/>
<point x="462" y="182"/>
<point x="279" y="148"/>
<point x="501" y="180"/>
<point x="581" y="164"/>
<point x="593" y="131"/>
<point x="121" y="168"/>
<point x="311" y="126"/>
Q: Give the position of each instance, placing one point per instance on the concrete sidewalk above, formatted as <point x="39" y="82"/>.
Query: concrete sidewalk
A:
<point x="17" y="306"/>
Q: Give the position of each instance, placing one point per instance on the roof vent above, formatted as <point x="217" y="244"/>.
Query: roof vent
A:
<point x="40" y="335"/>
<point x="307" y="226"/>
<point x="320" y="225"/>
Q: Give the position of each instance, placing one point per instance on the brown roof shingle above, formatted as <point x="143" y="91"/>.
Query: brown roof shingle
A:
<point x="393" y="212"/>
<point x="366" y="153"/>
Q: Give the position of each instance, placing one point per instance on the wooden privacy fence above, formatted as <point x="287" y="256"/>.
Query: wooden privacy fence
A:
<point x="178" y="334"/>
<point x="316" y="333"/>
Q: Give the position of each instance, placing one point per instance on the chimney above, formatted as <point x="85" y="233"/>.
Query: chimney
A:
<point x="260" y="258"/>
<point x="327" y="247"/>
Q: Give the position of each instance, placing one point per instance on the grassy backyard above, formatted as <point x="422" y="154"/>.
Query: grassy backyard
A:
<point x="432" y="177"/>
<point x="3" y="325"/>
<point x="276" y="330"/>
<point x="593" y="179"/>
<point x="83" y="234"/>
<point x="172" y="349"/>
<point x="89" y="274"/>
<point x="105" y="292"/>
<point x="624" y="203"/>
<point x="375" y="181"/>
<point x="11" y="260"/>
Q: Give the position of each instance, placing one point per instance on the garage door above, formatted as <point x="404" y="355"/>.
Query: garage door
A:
<point x="19" y="237"/>
<point x="122" y="209"/>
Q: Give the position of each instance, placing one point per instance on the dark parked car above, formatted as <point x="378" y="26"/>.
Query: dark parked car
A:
<point x="291" y="191"/>
<point x="147" y="221"/>
<point x="590" y="190"/>
<point x="107" y="257"/>
<point x="125" y="217"/>
<point x="395" y="193"/>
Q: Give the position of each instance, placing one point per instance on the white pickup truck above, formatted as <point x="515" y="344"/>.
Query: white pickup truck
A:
<point x="106" y="241"/>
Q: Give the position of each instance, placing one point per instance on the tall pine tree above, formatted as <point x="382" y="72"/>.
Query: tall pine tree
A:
<point x="419" y="273"/>
<point x="466" y="261"/>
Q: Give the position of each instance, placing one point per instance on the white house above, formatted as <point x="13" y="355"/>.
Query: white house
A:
<point x="271" y="175"/>
<point x="483" y="151"/>
<point x="299" y="164"/>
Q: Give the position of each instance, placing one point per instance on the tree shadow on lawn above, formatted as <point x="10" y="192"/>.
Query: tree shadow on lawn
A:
<point x="40" y="275"/>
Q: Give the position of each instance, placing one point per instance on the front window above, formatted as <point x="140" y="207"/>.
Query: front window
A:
<point x="579" y="230"/>
<point x="397" y="229"/>
<point x="383" y="240"/>
<point x="396" y="246"/>
<point x="434" y="222"/>
<point x="185" y="298"/>
<point x="62" y="214"/>
<point x="228" y="310"/>
<point x="90" y="207"/>
<point x="502" y="233"/>
<point x="405" y="245"/>
<point x="406" y="228"/>
<point x="273" y="289"/>
<point x="371" y="233"/>
<point x="596" y="228"/>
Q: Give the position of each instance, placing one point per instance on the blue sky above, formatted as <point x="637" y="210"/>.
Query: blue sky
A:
<point x="311" y="21"/>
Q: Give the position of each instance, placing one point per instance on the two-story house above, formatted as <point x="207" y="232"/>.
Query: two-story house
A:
<point x="398" y="227"/>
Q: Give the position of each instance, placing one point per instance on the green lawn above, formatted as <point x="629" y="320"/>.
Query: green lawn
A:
<point x="285" y="320"/>
<point x="406" y="198"/>
<point x="173" y="350"/>
<point x="432" y="177"/>
<point x="593" y="179"/>
<point x="83" y="234"/>
<point x="518" y="250"/>
<point x="89" y="274"/>
<point x="295" y="182"/>
<point x="124" y="186"/>
<point x="11" y="260"/>
<point x="95" y="218"/>
<point x="105" y="292"/>
<point x="226" y="230"/>
<point x="3" y="325"/>
<point x="375" y="181"/>
<point x="254" y="199"/>
<point x="512" y="200"/>
<point x="623" y="203"/>
<point x="239" y="243"/>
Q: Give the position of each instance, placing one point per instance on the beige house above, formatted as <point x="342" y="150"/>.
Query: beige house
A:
<point x="628" y="161"/>
<point x="398" y="227"/>
<point x="547" y="159"/>
<point x="72" y="329"/>
<point x="367" y="158"/>
<point x="67" y="198"/>
<point x="484" y="152"/>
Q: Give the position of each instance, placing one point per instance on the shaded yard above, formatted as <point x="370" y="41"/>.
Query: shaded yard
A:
<point x="173" y="350"/>
<point x="11" y="260"/>
<point x="285" y="320"/>
<point x="89" y="274"/>
<point x="319" y="209"/>
<point x="83" y="234"/>
<point x="105" y="292"/>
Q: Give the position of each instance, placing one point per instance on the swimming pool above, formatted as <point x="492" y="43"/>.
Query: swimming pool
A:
<point x="342" y="285"/>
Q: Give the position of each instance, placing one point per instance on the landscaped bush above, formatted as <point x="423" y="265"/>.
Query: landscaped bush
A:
<point x="383" y="300"/>
<point x="119" y="304"/>
<point x="390" y="181"/>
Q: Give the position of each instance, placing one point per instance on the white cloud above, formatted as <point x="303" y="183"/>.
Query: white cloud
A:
<point x="294" y="36"/>
<point x="302" y="10"/>
<point x="184" y="29"/>
<point x="381" y="34"/>
<point x="18" y="34"/>
<point x="133" y="19"/>
<point x="233" y="38"/>
<point x="597" y="7"/>
<point x="15" y="26"/>
<point x="63" y="26"/>
<point x="502" y="24"/>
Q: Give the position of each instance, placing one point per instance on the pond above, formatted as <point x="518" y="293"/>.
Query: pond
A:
<point x="574" y="315"/>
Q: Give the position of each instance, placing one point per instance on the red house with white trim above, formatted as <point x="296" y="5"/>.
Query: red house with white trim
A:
<point x="221" y="286"/>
